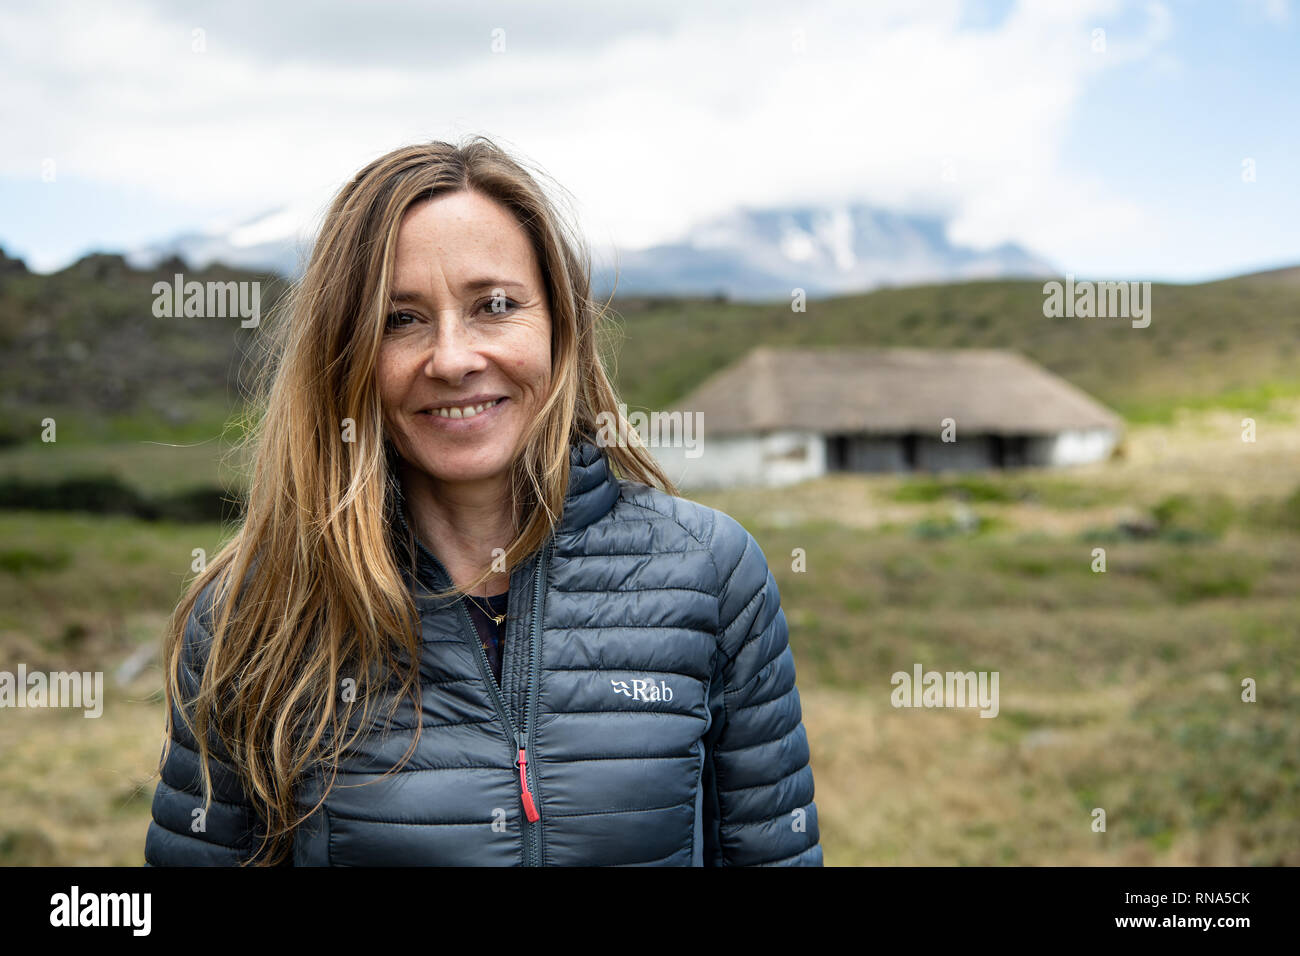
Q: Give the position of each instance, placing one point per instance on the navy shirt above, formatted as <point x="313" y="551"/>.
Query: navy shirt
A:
<point x="491" y="635"/>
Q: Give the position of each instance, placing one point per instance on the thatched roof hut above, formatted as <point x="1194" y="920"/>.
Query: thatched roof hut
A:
<point x="782" y="414"/>
<point x="891" y="391"/>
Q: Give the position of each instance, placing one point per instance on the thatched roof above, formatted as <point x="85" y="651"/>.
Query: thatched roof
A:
<point x="891" y="391"/>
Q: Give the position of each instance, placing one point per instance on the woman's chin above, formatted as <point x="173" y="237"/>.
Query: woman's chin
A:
<point x="463" y="466"/>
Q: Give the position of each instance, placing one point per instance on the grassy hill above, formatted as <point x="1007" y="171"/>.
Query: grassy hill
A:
<point x="1229" y="343"/>
<point x="83" y="346"/>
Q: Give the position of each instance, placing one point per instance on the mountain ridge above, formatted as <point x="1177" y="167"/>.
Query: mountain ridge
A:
<point x="752" y="253"/>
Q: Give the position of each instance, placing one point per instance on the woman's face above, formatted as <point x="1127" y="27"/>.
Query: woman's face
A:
<point x="468" y="324"/>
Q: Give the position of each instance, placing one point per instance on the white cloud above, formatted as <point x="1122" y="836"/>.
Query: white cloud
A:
<point x="658" y="121"/>
<point x="1274" y="11"/>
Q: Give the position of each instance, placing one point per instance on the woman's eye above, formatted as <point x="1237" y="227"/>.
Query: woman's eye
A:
<point x="500" y="305"/>
<point x="395" y="319"/>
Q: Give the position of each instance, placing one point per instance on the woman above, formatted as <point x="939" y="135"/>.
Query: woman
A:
<point x="457" y="626"/>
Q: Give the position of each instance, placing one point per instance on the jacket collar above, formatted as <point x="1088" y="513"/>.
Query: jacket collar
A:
<point x="593" y="488"/>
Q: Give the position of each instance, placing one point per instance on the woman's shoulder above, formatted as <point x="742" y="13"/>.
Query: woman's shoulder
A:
<point x="727" y="540"/>
<point x="196" y="636"/>
<point x="205" y="611"/>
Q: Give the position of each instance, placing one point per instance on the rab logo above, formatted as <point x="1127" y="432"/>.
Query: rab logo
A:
<point x="646" y="690"/>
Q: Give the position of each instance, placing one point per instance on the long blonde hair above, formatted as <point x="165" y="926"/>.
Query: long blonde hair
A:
<point x="308" y="591"/>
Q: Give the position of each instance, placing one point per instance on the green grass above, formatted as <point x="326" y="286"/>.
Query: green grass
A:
<point x="1038" y="487"/>
<point x="68" y="579"/>
<point x="1122" y="687"/>
<point x="165" y="462"/>
<point x="1253" y="400"/>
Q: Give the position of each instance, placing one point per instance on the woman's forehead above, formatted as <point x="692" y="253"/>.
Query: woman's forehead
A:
<point x="462" y="239"/>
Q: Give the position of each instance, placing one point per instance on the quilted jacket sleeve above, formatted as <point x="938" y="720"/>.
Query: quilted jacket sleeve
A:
<point x="229" y="833"/>
<point x="758" y="800"/>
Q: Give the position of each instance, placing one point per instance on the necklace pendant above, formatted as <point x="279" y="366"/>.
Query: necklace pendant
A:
<point x="498" y="618"/>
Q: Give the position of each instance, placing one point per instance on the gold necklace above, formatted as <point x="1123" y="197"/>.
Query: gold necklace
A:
<point x="495" y="618"/>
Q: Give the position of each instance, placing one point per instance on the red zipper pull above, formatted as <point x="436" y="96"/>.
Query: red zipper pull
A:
<point x="530" y="808"/>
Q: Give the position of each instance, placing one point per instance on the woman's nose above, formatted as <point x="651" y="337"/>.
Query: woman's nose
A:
<point x="453" y="352"/>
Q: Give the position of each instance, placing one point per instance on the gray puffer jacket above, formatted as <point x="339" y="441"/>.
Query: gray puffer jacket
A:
<point x="647" y="714"/>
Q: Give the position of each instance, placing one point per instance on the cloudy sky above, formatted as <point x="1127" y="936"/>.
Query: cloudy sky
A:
<point x="1116" y="139"/>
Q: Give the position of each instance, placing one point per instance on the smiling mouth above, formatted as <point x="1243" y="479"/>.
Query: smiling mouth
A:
<point x="464" y="411"/>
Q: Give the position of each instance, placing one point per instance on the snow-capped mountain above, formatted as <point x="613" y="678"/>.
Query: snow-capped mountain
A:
<point x="767" y="253"/>
<point x="749" y="254"/>
<point x="277" y="241"/>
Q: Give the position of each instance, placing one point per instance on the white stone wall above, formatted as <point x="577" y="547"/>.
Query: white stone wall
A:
<point x="779" y="458"/>
<point x="788" y="457"/>
<point x="1080" y="447"/>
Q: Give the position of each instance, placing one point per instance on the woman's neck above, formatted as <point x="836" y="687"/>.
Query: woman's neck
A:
<point x="462" y="523"/>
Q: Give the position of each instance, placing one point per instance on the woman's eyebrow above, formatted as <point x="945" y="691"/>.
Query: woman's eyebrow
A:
<point x="489" y="283"/>
<point x="473" y="285"/>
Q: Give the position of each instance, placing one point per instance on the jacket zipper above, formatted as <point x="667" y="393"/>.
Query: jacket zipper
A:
<point x="531" y="813"/>
<point x="532" y="843"/>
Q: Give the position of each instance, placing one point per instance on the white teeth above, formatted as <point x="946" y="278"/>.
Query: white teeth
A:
<point x="469" y="411"/>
